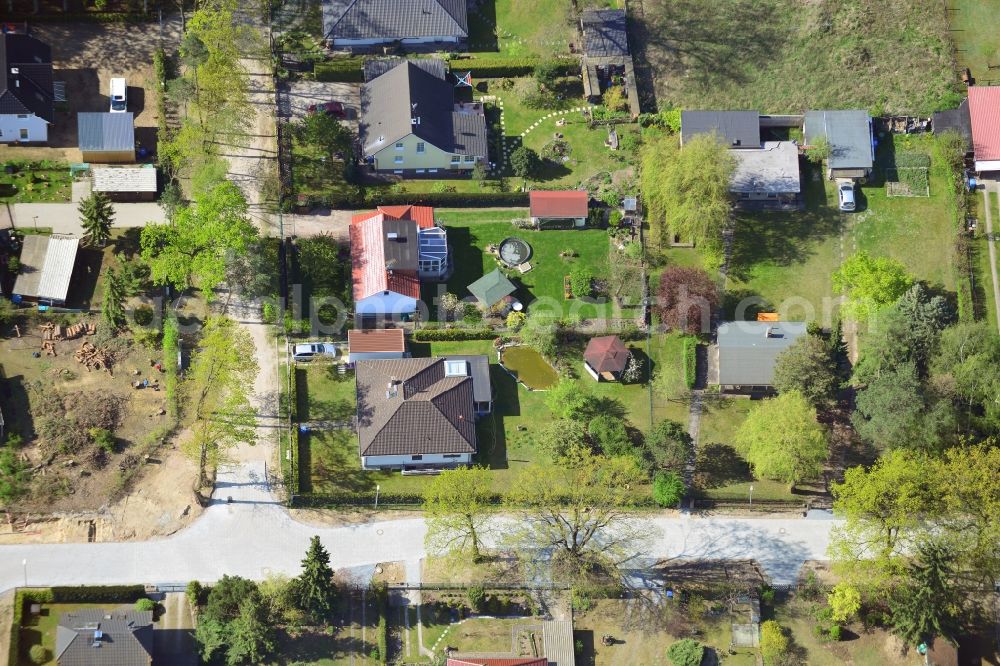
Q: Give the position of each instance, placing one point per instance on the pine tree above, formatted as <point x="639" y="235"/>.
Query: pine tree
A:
<point x="315" y="588"/>
<point x="115" y="292"/>
<point x="96" y="215"/>
<point x="928" y="606"/>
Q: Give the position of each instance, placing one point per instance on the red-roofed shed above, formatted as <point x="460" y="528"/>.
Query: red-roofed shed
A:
<point x="559" y="205"/>
<point x="984" y="111"/>
<point x="606" y="358"/>
<point x="498" y="661"/>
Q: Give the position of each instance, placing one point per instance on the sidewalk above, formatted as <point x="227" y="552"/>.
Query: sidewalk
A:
<point x="64" y="218"/>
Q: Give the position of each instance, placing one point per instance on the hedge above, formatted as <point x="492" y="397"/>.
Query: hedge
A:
<point x="453" y="334"/>
<point x="377" y="197"/>
<point x="690" y="362"/>
<point x="48" y="595"/>
<point x="83" y="17"/>
<point x="344" y="70"/>
<point x="382" y="632"/>
<point x="497" y="67"/>
<point x="170" y="350"/>
<point x="404" y="500"/>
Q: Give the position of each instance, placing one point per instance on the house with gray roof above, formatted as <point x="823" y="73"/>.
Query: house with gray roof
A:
<point x="410" y="125"/>
<point x="46" y="269"/>
<point x="738" y="129"/>
<point x="745" y="353"/>
<point x="27" y="95"/>
<point x="848" y="133"/>
<point x="366" y="24"/>
<point x="416" y="413"/>
<point x="96" y="637"/>
<point x="767" y="177"/>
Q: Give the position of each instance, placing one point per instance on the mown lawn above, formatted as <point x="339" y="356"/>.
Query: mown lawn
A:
<point x="541" y="289"/>
<point x="977" y="42"/>
<point x="41" y="629"/>
<point x="514" y="28"/>
<point x="43" y="181"/>
<point x="787" y="56"/>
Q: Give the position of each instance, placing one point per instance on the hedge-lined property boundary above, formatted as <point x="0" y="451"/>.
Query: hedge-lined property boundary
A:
<point x="84" y="594"/>
<point x="351" y="69"/>
<point x="690" y="362"/>
<point x="375" y="197"/>
<point x="83" y="17"/>
<point x="343" y="70"/>
<point x="403" y="500"/>
<point x="453" y="334"/>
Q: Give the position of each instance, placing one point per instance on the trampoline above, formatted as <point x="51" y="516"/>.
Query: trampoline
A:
<point x="514" y="252"/>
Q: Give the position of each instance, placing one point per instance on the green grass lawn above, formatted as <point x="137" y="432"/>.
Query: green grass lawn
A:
<point x="35" y="182"/>
<point x="893" y="58"/>
<point x="977" y="43"/>
<point x="322" y="394"/>
<point x="470" y="232"/>
<point x="513" y="28"/>
<point x="41" y="629"/>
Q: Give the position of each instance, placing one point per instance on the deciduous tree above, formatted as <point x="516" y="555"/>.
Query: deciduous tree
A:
<point x="782" y="440"/>
<point x="610" y="434"/>
<point x="524" y="162"/>
<point x="687" y="190"/>
<point x="967" y="368"/>
<point x="458" y="504"/>
<point x="686" y="299"/>
<point x="217" y="393"/>
<point x="669" y="446"/>
<point x="668" y="489"/>
<point x="871" y="283"/>
<point x="807" y="366"/>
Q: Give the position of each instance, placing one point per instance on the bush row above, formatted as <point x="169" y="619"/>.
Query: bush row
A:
<point x="382" y="632"/>
<point x="344" y="70"/>
<point x="690" y="362"/>
<point x="403" y="499"/>
<point x="453" y="334"/>
<point x="83" y="17"/>
<point x="371" y="198"/>
<point x="497" y="67"/>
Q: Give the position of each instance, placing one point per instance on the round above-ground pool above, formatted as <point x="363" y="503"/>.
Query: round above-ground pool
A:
<point x="514" y="251"/>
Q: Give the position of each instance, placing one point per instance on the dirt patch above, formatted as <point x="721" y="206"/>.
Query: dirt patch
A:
<point x="86" y="56"/>
<point x="346" y="516"/>
<point x="6" y="618"/>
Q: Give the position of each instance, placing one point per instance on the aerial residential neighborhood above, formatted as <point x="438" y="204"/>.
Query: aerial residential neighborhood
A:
<point x="500" y="333"/>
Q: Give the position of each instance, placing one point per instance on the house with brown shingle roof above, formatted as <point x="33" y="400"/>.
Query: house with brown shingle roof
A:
<point x="393" y="248"/>
<point x="605" y="358"/>
<point x="415" y="412"/>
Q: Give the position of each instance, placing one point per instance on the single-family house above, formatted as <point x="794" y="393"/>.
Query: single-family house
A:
<point x="415" y="412"/>
<point x="106" y="138"/>
<point x="364" y="24"/>
<point x="492" y="288"/>
<point x="368" y="344"/>
<point x="125" y="183"/>
<point x="559" y="206"/>
<point x="767" y="176"/>
<point x="984" y="112"/>
<point x="849" y="136"/>
<point x="606" y="358"/>
<point x="478" y="366"/>
<point x="738" y="129"/>
<point x="955" y="120"/>
<point x="410" y="125"/>
<point x="745" y="352"/>
<point x="95" y="637"/>
<point x="46" y="269"/>
<point x="27" y="96"/>
<point x="392" y="250"/>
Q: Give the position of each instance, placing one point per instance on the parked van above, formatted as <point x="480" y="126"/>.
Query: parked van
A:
<point x="119" y="95"/>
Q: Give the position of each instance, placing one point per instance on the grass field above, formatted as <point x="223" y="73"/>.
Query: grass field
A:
<point x="35" y="182"/>
<point x="786" y="56"/>
<point x="470" y="232"/>
<point x="513" y="28"/>
<point x="977" y="42"/>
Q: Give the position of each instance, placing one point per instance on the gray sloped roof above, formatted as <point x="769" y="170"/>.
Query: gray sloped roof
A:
<point x="395" y="19"/>
<point x="124" y="178"/>
<point x="490" y="288"/>
<point x="410" y="406"/>
<point x="748" y="350"/>
<point x="739" y="129"/>
<point x="391" y="104"/>
<point x="106" y="131"/>
<point x="774" y="168"/>
<point x="479" y="366"/>
<point x="46" y="267"/>
<point x="125" y="637"/>
<point x="848" y="133"/>
<point x="376" y="67"/>
<point x="956" y="120"/>
<point x="30" y="89"/>
<point x="605" y="33"/>
<point x="468" y="133"/>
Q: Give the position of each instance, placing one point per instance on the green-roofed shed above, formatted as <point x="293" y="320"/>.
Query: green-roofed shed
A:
<point x="491" y="288"/>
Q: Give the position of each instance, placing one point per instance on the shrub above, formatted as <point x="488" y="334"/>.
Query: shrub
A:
<point x="773" y="642"/>
<point x="38" y="654"/>
<point x="668" y="489"/>
<point x="476" y="595"/>
<point x="452" y="334"/>
<point x="686" y="652"/>
<point x="269" y="313"/>
<point x="499" y="67"/>
<point x="195" y="593"/>
<point x="103" y="438"/>
<point x="345" y="70"/>
<point x="145" y="604"/>
<point x="515" y="320"/>
<point x="524" y="161"/>
<point x="690" y="362"/>
<point x="581" y="282"/>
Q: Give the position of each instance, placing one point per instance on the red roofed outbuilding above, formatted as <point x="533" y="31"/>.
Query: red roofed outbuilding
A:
<point x="392" y="250"/>
<point x="559" y="205"/>
<point x="498" y="661"/>
<point x="606" y="358"/>
<point x="984" y="111"/>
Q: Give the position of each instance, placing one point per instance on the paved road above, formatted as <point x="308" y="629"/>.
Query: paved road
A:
<point x="64" y="218"/>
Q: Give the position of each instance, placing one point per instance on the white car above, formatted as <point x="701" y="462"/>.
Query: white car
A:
<point x="119" y="96"/>
<point x="311" y="350"/>
<point x="845" y="195"/>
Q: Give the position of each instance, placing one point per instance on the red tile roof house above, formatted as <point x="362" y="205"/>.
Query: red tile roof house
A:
<point x="564" y="205"/>
<point x="392" y="250"/>
<point x="984" y="110"/>
<point x="605" y="358"/>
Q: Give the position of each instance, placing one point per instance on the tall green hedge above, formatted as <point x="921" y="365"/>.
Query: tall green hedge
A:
<point x="379" y="197"/>
<point x="490" y="67"/>
<point x="453" y="334"/>
<point x="346" y="70"/>
<point x="381" y="594"/>
<point x="690" y="362"/>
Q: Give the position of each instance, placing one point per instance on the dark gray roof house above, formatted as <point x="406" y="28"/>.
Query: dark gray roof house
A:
<point x="368" y="23"/>
<point x="747" y="351"/>
<point x="955" y="120"/>
<point x="95" y="637"/>
<point x="376" y="67"/>
<point x="482" y="390"/>
<point x="415" y="411"/>
<point x="739" y="129"/>
<point x="26" y="89"/>
<point x="849" y="135"/>
<point x="410" y="122"/>
<point x="605" y="33"/>
<point x="106" y="137"/>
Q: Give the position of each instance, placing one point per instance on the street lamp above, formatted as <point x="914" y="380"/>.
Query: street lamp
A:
<point x="377" y="489"/>
<point x="751" y="494"/>
<point x="24" y="564"/>
<point x="35" y="219"/>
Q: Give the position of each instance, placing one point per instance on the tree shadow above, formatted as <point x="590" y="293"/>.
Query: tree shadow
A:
<point x="492" y="429"/>
<point x="482" y="26"/>
<point x="720" y="465"/>
<point x="86" y="274"/>
<point x="586" y="656"/>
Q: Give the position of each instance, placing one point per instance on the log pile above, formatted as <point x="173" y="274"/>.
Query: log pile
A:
<point x="92" y="357"/>
<point x="83" y="328"/>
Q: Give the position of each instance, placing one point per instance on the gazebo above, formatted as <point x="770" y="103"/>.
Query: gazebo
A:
<point x="605" y="358"/>
<point x="492" y="288"/>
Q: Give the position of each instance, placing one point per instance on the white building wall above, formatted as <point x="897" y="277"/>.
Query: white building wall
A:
<point x="12" y="124"/>
<point x="385" y="304"/>
<point x="373" y="356"/>
<point x="375" y="462"/>
<point x="389" y="40"/>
